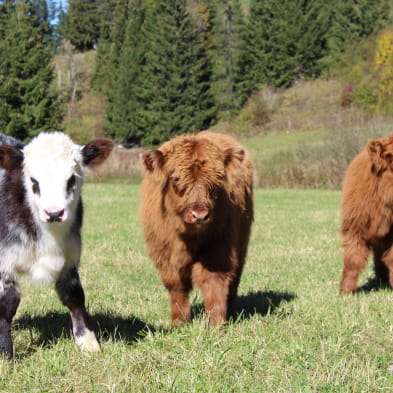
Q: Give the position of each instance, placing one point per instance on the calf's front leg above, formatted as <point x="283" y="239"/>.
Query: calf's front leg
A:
<point x="178" y="286"/>
<point x="215" y="290"/>
<point x="70" y="291"/>
<point x="9" y="302"/>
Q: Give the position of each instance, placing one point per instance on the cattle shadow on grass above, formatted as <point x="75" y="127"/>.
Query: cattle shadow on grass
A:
<point x="116" y="328"/>
<point x="373" y="284"/>
<point x="54" y="325"/>
<point x="260" y="302"/>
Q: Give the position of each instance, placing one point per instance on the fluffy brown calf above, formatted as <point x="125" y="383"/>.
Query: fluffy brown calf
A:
<point x="367" y="214"/>
<point x="196" y="212"/>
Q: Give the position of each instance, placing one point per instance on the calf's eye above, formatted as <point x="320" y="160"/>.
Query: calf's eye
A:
<point x="71" y="183"/>
<point x="35" y="186"/>
<point x="175" y="184"/>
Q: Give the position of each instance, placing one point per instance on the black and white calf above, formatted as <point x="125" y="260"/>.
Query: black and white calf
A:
<point x="40" y="223"/>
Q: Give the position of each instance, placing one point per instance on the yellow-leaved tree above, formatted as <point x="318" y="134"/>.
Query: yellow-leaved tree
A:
<point x="384" y="65"/>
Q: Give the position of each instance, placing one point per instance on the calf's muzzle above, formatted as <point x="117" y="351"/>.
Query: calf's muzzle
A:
<point x="56" y="215"/>
<point x="196" y="214"/>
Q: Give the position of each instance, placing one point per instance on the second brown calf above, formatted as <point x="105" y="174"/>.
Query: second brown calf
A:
<point x="367" y="214"/>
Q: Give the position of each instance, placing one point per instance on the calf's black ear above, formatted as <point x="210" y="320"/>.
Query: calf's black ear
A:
<point x="153" y="159"/>
<point x="96" y="151"/>
<point x="10" y="158"/>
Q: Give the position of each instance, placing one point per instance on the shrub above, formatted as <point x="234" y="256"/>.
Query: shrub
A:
<point x="366" y="96"/>
<point x="347" y="96"/>
<point x="256" y="113"/>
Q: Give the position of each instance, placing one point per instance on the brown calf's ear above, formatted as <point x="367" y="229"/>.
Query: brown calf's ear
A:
<point x="153" y="159"/>
<point x="10" y="158"/>
<point x="375" y="150"/>
<point x="97" y="151"/>
<point x="374" y="147"/>
<point x="232" y="153"/>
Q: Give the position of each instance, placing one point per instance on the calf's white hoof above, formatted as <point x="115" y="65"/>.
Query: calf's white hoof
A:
<point x="88" y="342"/>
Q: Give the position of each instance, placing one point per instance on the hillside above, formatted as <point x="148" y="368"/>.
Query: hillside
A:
<point x="307" y="138"/>
<point x="298" y="137"/>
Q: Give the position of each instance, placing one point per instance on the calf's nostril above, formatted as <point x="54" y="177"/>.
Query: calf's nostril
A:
<point x="54" y="215"/>
<point x="199" y="216"/>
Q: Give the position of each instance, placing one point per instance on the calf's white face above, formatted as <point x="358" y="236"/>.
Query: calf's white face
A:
<point x="52" y="169"/>
<point x="53" y="175"/>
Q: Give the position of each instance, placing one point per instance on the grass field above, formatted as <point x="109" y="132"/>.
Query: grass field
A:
<point x="293" y="333"/>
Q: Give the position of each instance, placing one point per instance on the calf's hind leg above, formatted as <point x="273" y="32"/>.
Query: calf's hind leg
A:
<point x="9" y="302"/>
<point x="387" y="259"/>
<point x="355" y="260"/>
<point x="380" y="268"/>
<point x="70" y="291"/>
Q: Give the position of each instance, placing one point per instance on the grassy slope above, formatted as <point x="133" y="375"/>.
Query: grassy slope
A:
<point x="309" y="138"/>
<point x="294" y="333"/>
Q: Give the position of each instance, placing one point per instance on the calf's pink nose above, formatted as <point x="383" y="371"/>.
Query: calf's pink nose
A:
<point x="198" y="216"/>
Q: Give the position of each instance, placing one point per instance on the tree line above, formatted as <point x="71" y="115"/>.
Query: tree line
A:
<point x="170" y="66"/>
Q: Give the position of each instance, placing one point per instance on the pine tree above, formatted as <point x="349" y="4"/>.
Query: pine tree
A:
<point x="254" y="54"/>
<point x="124" y="103"/>
<point x="284" y="41"/>
<point x="353" y="20"/>
<point x="81" y="23"/>
<point x="176" y="79"/>
<point x="228" y="28"/>
<point x="110" y="44"/>
<point x="27" y="102"/>
<point x="4" y="17"/>
<point x="55" y="13"/>
<point x="308" y="25"/>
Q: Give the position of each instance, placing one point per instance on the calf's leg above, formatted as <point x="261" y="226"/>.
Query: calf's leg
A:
<point x="355" y="259"/>
<point x="180" y="307"/>
<point x="232" y="297"/>
<point x="70" y="291"/>
<point x="215" y="290"/>
<point x="215" y="287"/>
<point x="387" y="259"/>
<point x="9" y="301"/>
<point x="178" y="285"/>
<point x="380" y="268"/>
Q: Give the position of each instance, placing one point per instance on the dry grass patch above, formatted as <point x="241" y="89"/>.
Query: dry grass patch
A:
<point x="122" y="166"/>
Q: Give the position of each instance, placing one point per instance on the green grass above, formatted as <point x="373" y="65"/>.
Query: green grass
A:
<point x="294" y="333"/>
<point x="265" y="147"/>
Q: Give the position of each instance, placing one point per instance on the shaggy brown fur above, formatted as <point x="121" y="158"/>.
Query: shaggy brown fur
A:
<point x="196" y="212"/>
<point x="367" y="214"/>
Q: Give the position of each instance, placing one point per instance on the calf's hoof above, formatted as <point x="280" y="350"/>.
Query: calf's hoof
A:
<point x="88" y="342"/>
<point x="347" y="287"/>
<point x="6" y="348"/>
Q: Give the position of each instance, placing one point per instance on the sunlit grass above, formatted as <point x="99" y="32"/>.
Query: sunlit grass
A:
<point x="293" y="333"/>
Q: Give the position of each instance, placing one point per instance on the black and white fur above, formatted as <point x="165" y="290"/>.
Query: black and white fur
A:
<point x="40" y="223"/>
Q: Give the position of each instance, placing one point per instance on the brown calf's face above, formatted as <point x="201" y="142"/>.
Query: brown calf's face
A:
<point x="192" y="175"/>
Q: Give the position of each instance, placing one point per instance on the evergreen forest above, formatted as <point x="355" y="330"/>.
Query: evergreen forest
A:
<point x="159" y="68"/>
